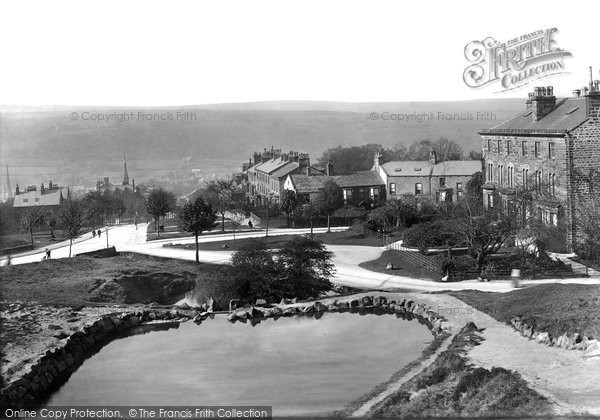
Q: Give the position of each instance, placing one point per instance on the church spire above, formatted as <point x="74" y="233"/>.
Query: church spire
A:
<point x="7" y="187"/>
<point x="125" y="175"/>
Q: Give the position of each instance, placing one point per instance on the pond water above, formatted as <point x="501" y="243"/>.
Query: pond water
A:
<point x="299" y="365"/>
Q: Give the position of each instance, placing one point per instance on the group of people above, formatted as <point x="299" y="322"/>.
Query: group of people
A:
<point x="94" y="233"/>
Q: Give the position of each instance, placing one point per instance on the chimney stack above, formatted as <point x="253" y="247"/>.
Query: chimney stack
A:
<point x="377" y="161"/>
<point x="303" y="163"/>
<point x="541" y="101"/>
<point x="42" y="190"/>
<point x="432" y="157"/>
<point x="329" y="168"/>
<point x="592" y="96"/>
<point x="17" y="190"/>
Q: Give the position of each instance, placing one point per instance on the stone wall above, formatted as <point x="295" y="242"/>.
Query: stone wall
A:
<point x="55" y="367"/>
<point x="565" y="341"/>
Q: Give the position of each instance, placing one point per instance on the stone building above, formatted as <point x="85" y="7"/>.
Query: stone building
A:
<point x="551" y="148"/>
<point x="364" y="189"/>
<point x="266" y="173"/>
<point x="47" y="198"/>
<point x="443" y="180"/>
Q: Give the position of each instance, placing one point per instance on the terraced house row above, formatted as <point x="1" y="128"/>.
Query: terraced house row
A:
<point x="552" y="150"/>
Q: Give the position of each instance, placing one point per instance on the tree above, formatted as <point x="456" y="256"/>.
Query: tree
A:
<point x="382" y="216"/>
<point x="305" y="267"/>
<point x="255" y="270"/>
<point x="329" y="199"/>
<point x="348" y="160"/>
<point x="31" y="219"/>
<point x="309" y="211"/>
<point x="474" y="188"/>
<point x="196" y="217"/>
<point x="444" y="148"/>
<point x="71" y="220"/>
<point x="224" y="194"/>
<point x="158" y="204"/>
<point x="290" y="202"/>
<point x="485" y="230"/>
<point x="476" y="154"/>
<point x="405" y="210"/>
<point x="9" y="220"/>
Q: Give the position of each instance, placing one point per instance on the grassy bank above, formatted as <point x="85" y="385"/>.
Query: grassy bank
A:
<point x="347" y="237"/>
<point x="402" y="266"/>
<point x="450" y="387"/>
<point x="553" y="308"/>
<point x="126" y="279"/>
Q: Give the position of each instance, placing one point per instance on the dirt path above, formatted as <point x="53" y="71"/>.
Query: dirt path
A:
<point x="571" y="381"/>
<point x="394" y="386"/>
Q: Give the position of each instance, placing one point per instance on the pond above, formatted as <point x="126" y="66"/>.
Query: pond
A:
<point x="299" y="365"/>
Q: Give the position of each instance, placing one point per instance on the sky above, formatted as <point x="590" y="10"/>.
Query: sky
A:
<point x="174" y="53"/>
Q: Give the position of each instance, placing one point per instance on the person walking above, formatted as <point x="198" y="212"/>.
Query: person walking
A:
<point x="47" y="254"/>
<point x="99" y="233"/>
<point x="93" y="233"/>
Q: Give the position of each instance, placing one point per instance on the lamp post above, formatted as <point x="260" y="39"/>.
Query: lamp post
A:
<point x="107" y="235"/>
<point x="268" y="205"/>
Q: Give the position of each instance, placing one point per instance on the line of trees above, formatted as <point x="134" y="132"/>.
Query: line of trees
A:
<point x="348" y="160"/>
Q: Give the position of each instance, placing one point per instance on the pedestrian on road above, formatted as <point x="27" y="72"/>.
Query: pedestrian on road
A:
<point x="94" y="233"/>
<point x="47" y="254"/>
<point x="250" y="224"/>
<point x="99" y="233"/>
<point x="8" y="260"/>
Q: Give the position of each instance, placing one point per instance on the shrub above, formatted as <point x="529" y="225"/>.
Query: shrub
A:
<point x="435" y="234"/>
<point x="459" y="267"/>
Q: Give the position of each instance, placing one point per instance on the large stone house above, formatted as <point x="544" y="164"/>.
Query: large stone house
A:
<point x="551" y="148"/>
<point x="443" y="180"/>
<point x="47" y="199"/>
<point x="267" y="172"/>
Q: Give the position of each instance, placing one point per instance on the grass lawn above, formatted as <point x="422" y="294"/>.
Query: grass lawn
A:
<point x="402" y="266"/>
<point x="348" y="237"/>
<point x="131" y="278"/>
<point x="553" y="308"/>
<point x="40" y="240"/>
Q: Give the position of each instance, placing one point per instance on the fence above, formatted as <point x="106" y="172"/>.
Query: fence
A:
<point x="407" y="253"/>
<point x="505" y="273"/>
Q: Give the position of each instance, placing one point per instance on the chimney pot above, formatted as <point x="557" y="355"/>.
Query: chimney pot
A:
<point x="542" y="102"/>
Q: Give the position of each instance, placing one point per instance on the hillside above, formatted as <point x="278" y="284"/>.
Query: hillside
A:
<point x="227" y="131"/>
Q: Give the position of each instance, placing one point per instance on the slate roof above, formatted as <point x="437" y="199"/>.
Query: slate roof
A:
<point x="271" y="165"/>
<point x="359" y="179"/>
<point x="567" y="115"/>
<point x="286" y="169"/>
<point x="28" y="199"/>
<point x="305" y="184"/>
<point x="407" y="168"/>
<point x="456" y="168"/>
<point x="424" y="168"/>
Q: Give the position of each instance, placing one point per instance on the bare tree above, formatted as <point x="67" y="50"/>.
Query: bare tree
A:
<point x="71" y="220"/>
<point x="158" y="204"/>
<point x="31" y="219"/>
<point x="224" y="194"/>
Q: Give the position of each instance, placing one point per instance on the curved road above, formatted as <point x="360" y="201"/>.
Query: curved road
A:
<point x="346" y="258"/>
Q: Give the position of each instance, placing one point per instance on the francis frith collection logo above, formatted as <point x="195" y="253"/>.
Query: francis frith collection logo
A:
<point x="516" y="62"/>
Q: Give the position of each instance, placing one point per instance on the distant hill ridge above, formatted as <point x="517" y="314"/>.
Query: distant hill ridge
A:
<point x="60" y="133"/>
